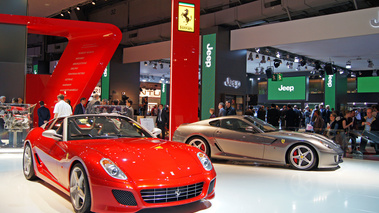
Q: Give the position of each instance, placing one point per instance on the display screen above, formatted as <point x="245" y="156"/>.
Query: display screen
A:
<point x="290" y="88"/>
<point x="368" y="84"/>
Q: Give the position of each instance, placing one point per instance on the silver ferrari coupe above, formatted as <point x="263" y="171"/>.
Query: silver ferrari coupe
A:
<point x="249" y="138"/>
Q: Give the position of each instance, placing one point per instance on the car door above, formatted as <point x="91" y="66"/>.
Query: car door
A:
<point x="51" y="151"/>
<point x="235" y="140"/>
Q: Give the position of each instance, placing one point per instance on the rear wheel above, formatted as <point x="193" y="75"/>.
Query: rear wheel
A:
<point x="302" y="157"/>
<point x="79" y="189"/>
<point x="201" y="144"/>
<point x="28" y="164"/>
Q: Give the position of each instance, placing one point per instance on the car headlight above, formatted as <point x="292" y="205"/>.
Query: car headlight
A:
<point x="205" y="161"/>
<point x="325" y="144"/>
<point x="112" y="169"/>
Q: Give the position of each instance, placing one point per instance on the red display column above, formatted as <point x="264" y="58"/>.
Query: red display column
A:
<point x="185" y="19"/>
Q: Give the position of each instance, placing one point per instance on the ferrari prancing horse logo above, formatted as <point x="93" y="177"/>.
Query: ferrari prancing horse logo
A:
<point x="186" y="15"/>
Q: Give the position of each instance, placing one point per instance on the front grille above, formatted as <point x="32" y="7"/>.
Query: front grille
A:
<point x="124" y="197"/>
<point x="165" y="195"/>
<point x="211" y="186"/>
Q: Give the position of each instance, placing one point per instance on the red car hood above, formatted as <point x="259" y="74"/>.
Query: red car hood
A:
<point x="148" y="159"/>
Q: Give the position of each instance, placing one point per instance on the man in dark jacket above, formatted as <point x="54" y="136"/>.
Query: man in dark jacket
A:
<point x="261" y="114"/>
<point x="162" y="119"/>
<point x="273" y="116"/>
<point x="290" y="118"/>
<point x="229" y="109"/>
<point x="43" y="114"/>
<point x="80" y="109"/>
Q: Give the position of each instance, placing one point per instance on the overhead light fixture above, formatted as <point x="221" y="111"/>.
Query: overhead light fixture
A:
<point x="93" y="2"/>
<point x="288" y="65"/>
<point x="77" y="8"/>
<point x="374" y="73"/>
<point x="263" y="59"/>
<point x="277" y="63"/>
<point x="370" y="64"/>
<point x="268" y="59"/>
<point x="62" y="14"/>
<point x="348" y="64"/>
<point x="69" y="11"/>
<point x="257" y="56"/>
<point x="250" y="56"/>
<point x="352" y="75"/>
<point x="257" y="50"/>
<point x="303" y="62"/>
<point x="277" y="54"/>
<point x="317" y="65"/>
<point x="145" y="63"/>
<point x="162" y="78"/>
<point x="161" y="66"/>
<point x="296" y="60"/>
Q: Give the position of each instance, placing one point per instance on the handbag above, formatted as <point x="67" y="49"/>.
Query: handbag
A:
<point x="309" y="127"/>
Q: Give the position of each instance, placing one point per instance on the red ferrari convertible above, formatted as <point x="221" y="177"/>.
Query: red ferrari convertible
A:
<point x="110" y="163"/>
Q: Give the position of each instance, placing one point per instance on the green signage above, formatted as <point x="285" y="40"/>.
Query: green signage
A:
<point x="164" y="94"/>
<point x="367" y="84"/>
<point x="35" y="69"/>
<point x="290" y="88"/>
<point x="208" y="75"/>
<point x="105" y="83"/>
<point x="330" y="90"/>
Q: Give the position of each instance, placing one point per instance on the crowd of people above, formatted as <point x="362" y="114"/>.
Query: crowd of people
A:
<point x="341" y="127"/>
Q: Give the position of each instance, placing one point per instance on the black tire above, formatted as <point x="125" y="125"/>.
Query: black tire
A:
<point x="28" y="163"/>
<point x="79" y="189"/>
<point x="201" y="144"/>
<point x="302" y="157"/>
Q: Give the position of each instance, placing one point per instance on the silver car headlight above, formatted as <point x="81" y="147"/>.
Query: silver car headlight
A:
<point x="112" y="169"/>
<point x="205" y="161"/>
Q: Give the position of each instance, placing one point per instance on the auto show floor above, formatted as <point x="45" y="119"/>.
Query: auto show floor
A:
<point x="240" y="187"/>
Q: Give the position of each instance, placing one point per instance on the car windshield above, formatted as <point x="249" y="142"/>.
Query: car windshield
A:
<point x="97" y="127"/>
<point x="265" y="127"/>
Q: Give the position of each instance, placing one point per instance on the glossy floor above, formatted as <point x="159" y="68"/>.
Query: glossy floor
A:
<point x="241" y="187"/>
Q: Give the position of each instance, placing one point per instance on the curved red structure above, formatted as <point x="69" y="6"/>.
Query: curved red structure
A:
<point x="90" y="48"/>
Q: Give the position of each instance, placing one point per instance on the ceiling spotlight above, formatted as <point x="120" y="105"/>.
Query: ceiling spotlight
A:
<point x="69" y="11"/>
<point x="263" y="59"/>
<point x="145" y="63"/>
<point x="291" y="65"/>
<point x="374" y="73"/>
<point x="62" y="14"/>
<point x="303" y="62"/>
<point x="256" y="70"/>
<point x="161" y="66"/>
<point x="257" y="50"/>
<point x="250" y="56"/>
<point x="296" y="60"/>
<point x="370" y="64"/>
<point x="256" y="56"/>
<point x="353" y="75"/>
<point x="93" y="2"/>
<point x="268" y="59"/>
<point x="277" y="63"/>
<point x="77" y="8"/>
<point x="288" y="65"/>
<point x="162" y="78"/>
<point x="317" y="65"/>
<point x="348" y="64"/>
<point x="154" y="66"/>
<point x="277" y="54"/>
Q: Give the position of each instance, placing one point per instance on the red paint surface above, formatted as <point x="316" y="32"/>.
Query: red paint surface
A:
<point x="184" y="83"/>
<point x="35" y="85"/>
<point x="90" y="47"/>
<point x="178" y="165"/>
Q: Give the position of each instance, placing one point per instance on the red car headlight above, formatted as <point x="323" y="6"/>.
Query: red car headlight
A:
<point x="112" y="169"/>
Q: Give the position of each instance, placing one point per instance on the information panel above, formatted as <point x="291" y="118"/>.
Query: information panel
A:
<point x="368" y="84"/>
<point x="290" y="88"/>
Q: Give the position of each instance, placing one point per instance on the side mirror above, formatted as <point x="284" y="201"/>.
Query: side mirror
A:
<point x="52" y="134"/>
<point x="249" y="129"/>
<point x="156" y="132"/>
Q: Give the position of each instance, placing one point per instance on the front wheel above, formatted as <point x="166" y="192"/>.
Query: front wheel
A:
<point x="302" y="157"/>
<point x="79" y="189"/>
<point x="201" y="144"/>
<point x="28" y="164"/>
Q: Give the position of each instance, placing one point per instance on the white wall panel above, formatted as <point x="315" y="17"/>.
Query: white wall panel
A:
<point x="341" y="25"/>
